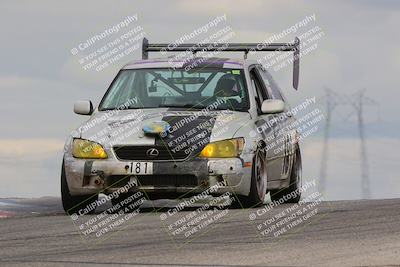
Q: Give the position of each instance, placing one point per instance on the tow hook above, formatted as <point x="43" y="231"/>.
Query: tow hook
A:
<point x="98" y="181"/>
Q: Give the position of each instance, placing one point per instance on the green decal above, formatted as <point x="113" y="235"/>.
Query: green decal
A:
<point x="237" y="72"/>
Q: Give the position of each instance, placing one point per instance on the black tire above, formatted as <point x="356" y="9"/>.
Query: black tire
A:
<point x="258" y="185"/>
<point x="295" y="181"/>
<point x="72" y="204"/>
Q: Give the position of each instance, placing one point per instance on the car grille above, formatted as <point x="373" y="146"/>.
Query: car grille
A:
<point x="140" y="153"/>
<point x="155" y="180"/>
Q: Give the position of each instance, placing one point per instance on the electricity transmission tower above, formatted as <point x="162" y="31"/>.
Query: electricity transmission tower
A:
<point x="330" y="105"/>
<point x="357" y="101"/>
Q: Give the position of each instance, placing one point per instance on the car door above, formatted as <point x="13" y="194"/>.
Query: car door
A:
<point x="267" y="125"/>
<point x="285" y="133"/>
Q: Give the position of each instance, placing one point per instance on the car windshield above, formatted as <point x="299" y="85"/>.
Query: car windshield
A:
<point x="177" y="88"/>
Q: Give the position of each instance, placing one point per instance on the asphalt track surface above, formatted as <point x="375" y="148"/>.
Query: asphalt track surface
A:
<point x="35" y="232"/>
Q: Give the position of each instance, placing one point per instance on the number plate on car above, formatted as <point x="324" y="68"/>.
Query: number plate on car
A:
<point x="141" y="167"/>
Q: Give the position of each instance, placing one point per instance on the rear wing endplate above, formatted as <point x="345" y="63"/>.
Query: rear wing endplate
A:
<point x="231" y="47"/>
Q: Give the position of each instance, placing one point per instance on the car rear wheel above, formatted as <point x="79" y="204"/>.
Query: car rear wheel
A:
<point x="73" y="204"/>
<point x="258" y="185"/>
<point x="295" y="181"/>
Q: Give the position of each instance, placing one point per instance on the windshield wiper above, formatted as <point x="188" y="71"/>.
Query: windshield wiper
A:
<point x="116" y="108"/>
<point x="181" y="106"/>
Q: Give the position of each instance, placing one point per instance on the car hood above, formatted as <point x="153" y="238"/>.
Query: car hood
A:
<point x="126" y="126"/>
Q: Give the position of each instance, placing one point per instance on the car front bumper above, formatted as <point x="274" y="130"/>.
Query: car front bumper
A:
<point x="169" y="178"/>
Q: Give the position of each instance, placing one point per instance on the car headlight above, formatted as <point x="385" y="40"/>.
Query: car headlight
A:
<point x="223" y="149"/>
<point x="86" y="149"/>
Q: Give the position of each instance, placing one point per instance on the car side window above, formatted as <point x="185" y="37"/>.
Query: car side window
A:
<point x="260" y="93"/>
<point x="270" y="84"/>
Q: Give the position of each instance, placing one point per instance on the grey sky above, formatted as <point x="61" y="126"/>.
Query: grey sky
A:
<point x="40" y="79"/>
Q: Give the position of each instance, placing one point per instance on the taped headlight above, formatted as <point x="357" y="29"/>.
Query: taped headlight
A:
<point x="86" y="149"/>
<point x="223" y="149"/>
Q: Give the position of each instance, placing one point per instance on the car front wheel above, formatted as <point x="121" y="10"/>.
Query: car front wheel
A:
<point x="73" y="204"/>
<point x="258" y="185"/>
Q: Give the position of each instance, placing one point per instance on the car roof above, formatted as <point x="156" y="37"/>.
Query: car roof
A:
<point x="197" y="62"/>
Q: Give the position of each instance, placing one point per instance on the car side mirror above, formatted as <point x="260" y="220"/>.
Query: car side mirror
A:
<point x="83" y="107"/>
<point x="271" y="106"/>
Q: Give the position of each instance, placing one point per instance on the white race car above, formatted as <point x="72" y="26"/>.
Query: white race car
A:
<point x="172" y="129"/>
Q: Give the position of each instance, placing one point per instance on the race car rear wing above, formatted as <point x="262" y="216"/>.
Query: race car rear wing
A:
<point x="231" y="47"/>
